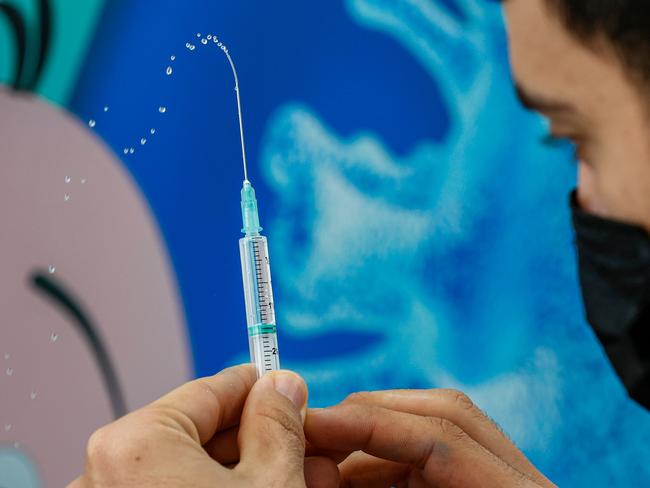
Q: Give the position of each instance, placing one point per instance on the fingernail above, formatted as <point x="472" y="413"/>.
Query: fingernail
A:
<point x="293" y="387"/>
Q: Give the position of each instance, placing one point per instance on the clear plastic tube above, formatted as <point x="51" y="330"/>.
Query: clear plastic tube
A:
<point x="258" y="296"/>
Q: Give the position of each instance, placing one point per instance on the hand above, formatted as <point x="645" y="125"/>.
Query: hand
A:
<point x="256" y="428"/>
<point x="434" y="438"/>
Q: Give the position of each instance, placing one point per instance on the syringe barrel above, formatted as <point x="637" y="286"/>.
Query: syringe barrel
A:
<point x="258" y="297"/>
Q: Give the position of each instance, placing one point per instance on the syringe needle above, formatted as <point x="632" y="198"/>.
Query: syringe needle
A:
<point x="239" y="113"/>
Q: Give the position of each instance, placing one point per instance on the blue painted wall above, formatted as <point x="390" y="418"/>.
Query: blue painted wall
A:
<point x="418" y="228"/>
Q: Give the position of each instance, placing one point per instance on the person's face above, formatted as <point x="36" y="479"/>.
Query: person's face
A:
<point x="588" y="98"/>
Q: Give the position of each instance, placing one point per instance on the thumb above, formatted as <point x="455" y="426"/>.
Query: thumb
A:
<point x="271" y="437"/>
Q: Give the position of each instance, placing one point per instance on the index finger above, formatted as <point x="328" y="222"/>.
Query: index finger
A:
<point x="444" y="453"/>
<point x="210" y="404"/>
<point x="455" y="406"/>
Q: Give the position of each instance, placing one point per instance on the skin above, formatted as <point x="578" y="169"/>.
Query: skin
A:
<point x="230" y="431"/>
<point x="174" y="441"/>
<point x="591" y="98"/>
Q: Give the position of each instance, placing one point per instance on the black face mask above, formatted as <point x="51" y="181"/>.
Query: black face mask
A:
<point x="614" y="268"/>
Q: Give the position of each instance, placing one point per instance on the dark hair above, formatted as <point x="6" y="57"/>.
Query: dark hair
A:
<point x="623" y="24"/>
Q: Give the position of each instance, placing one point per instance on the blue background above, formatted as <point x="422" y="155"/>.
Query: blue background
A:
<point x="418" y="229"/>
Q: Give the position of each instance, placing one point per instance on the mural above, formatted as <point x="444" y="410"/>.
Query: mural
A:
<point x="86" y="289"/>
<point x="418" y="227"/>
<point x="451" y="257"/>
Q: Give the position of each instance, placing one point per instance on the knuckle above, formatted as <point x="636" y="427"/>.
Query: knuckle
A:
<point x="104" y="447"/>
<point x="358" y="397"/>
<point x="115" y="446"/>
<point x="459" y="399"/>
<point x="98" y="443"/>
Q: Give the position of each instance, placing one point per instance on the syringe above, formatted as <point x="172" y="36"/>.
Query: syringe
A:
<point x="258" y="292"/>
<point x="256" y="271"/>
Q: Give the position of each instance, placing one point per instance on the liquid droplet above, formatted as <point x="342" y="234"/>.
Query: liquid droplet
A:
<point x="173" y="58"/>
<point x="83" y="181"/>
<point x="106" y="109"/>
<point x="131" y="150"/>
<point x="9" y="371"/>
<point x="51" y="269"/>
<point x="220" y="44"/>
<point x="143" y="141"/>
<point x="215" y="39"/>
<point x="67" y="179"/>
<point x="92" y="123"/>
<point x="204" y="41"/>
<point x="192" y="47"/>
<point x="187" y="45"/>
<point x="54" y="337"/>
<point x="198" y="34"/>
<point x="209" y="36"/>
<point x="152" y="131"/>
<point x="126" y="150"/>
<point x="169" y="70"/>
<point x="33" y="395"/>
<point x="8" y="427"/>
<point x="66" y="197"/>
<point x="162" y="110"/>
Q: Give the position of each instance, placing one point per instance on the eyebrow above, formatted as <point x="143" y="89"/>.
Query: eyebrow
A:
<point x="539" y="103"/>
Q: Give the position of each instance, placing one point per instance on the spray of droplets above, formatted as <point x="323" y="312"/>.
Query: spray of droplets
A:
<point x="67" y="179"/>
<point x="162" y="109"/>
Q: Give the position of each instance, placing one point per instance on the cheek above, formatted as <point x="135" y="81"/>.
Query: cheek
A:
<point x="617" y="181"/>
<point x="616" y="188"/>
<point x="590" y="194"/>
